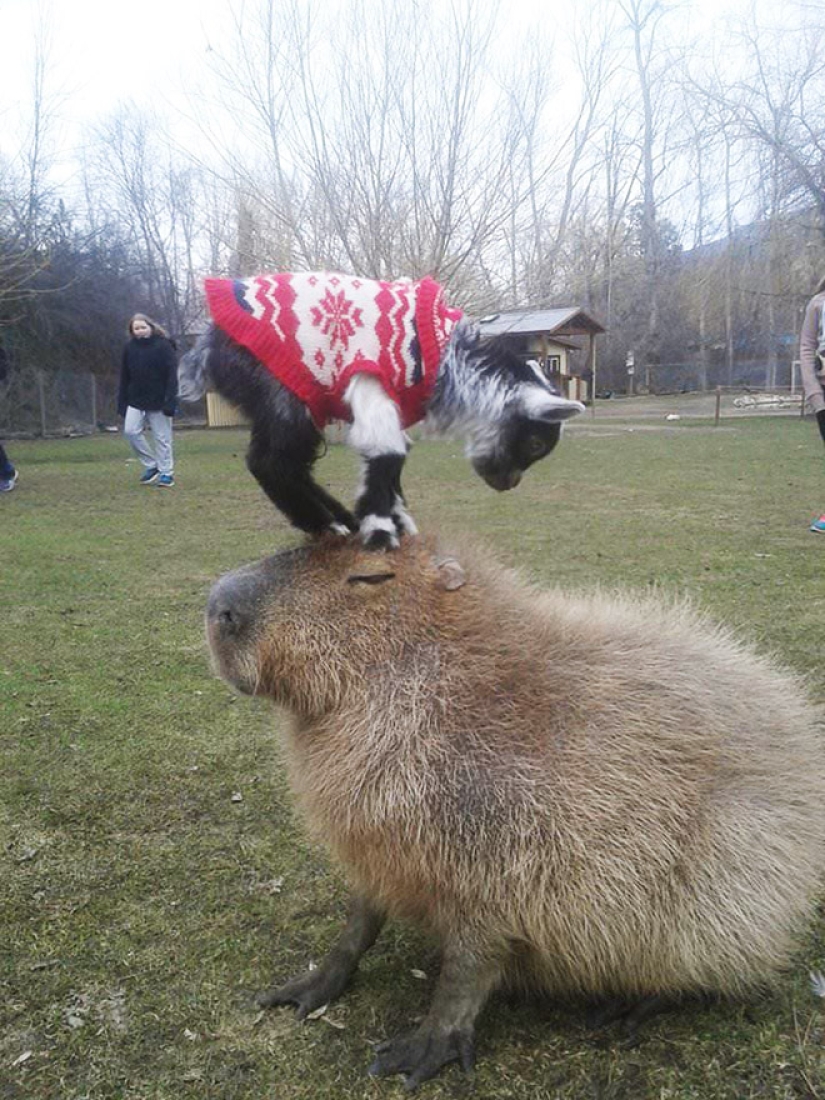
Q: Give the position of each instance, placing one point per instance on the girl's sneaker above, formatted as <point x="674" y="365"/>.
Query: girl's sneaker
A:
<point x="819" y="524"/>
<point x="8" y="483"/>
<point x="166" y="481"/>
<point x="149" y="475"/>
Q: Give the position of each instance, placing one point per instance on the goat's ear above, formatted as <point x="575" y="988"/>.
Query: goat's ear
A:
<point x="450" y="573"/>
<point x="540" y="404"/>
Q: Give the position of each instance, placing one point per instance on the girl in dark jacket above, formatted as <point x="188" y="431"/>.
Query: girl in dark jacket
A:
<point x="148" y="393"/>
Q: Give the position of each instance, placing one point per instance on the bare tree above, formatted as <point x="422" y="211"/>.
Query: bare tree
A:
<point x="139" y="181"/>
<point x="402" y="150"/>
<point x="27" y="197"/>
<point x="781" y="104"/>
<point x="576" y="153"/>
<point x="651" y="61"/>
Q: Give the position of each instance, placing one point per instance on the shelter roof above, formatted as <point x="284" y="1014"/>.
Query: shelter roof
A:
<point x="560" y="321"/>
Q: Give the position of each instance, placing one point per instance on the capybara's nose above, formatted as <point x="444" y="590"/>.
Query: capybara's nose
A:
<point x="225" y="618"/>
<point x="229" y="608"/>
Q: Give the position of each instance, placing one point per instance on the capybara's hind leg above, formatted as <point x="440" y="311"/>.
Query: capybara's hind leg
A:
<point x="319" y="987"/>
<point x="632" y="1014"/>
<point x="446" y="1034"/>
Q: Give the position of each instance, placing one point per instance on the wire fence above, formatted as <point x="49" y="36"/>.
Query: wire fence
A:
<point x="61" y="403"/>
<point x="718" y="404"/>
<point x="65" y="403"/>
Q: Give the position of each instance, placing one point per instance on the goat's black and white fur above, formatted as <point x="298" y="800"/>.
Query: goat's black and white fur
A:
<point x="506" y="409"/>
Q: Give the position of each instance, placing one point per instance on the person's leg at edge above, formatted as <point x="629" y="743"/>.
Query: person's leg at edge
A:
<point x="7" y="470"/>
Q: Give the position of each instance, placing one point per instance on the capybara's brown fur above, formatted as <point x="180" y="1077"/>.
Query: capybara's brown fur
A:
<point x="588" y="794"/>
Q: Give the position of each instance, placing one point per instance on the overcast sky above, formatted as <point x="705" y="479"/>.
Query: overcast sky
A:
<point x="103" y="51"/>
<point x="100" y="52"/>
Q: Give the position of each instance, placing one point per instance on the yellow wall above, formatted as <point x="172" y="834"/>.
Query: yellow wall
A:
<point x="571" y="386"/>
<point x="577" y="389"/>
<point x="540" y="348"/>
<point x="220" y="414"/>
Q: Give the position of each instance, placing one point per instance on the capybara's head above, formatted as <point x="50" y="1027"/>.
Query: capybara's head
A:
<point x="302" y="625"/>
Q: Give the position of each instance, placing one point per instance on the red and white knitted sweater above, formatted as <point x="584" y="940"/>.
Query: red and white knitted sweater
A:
<point x="314" y="331"/>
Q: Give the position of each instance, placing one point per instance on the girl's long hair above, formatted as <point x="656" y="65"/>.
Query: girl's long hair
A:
<point x="157" y="330"/>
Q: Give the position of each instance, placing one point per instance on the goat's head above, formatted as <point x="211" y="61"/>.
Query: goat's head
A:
<point x="527" y="420"/>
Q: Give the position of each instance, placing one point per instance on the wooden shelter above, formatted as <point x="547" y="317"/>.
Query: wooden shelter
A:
<point x="550" y="336"/>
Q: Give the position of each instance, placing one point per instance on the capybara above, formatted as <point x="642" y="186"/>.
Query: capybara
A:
<point x="585" y="794"/>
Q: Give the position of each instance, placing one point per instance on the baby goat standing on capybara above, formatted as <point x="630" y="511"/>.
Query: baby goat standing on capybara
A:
<point x="294" y="351"/>
<point x="584" y="794"/>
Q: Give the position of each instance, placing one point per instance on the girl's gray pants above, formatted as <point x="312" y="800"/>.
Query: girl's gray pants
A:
<point x="134" y="427"/>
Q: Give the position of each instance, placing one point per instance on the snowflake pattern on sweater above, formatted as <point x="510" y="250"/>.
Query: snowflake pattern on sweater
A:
<point x="316" y="330"/>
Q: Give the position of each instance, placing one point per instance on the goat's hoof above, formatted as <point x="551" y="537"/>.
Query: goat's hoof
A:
<point x="333" y="535"/>
<point x="404" y="523"/>
<point x="378" y="533"/>
<point x="380" y="540"/>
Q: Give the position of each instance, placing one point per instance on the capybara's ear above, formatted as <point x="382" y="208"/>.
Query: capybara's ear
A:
<point x="450" y="573"/>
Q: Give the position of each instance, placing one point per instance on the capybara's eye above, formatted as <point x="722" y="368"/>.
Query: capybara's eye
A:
<point x="370" y="578"/>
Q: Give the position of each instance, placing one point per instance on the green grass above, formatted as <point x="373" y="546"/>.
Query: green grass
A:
<point x="141" y="906"/>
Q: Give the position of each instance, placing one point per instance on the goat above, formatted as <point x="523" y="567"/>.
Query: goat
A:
<point x="588" y="795"/>
<point x="294" y="351"/>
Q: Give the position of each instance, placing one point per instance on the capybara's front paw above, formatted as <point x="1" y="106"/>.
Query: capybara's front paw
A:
<point x="307" y="992"/>
<point x="420" y="1054"/>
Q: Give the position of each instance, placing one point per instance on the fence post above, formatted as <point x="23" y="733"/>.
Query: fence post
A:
<point x="718" y="407"/>
<point x="41" y="393"/>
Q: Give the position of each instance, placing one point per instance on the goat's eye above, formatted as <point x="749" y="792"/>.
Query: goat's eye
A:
<point x="535" y="447"/>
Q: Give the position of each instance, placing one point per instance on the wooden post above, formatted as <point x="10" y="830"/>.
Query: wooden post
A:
<point x="41" y="393"/>
<point x="718" y="407"/>
<point x="592" y="357"/>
